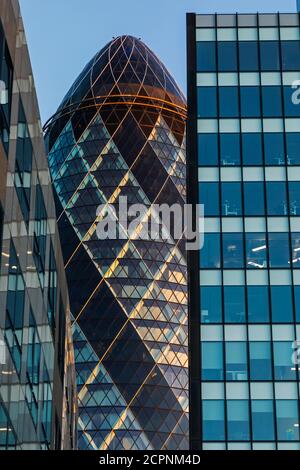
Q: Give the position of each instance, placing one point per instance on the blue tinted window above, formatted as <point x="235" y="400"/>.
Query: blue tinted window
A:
<point x="206" y="56"/>
<point x="209" y="196"/>
<point x="297" y="302"/>
<point x="279" y="250"/>
<point x="210" y="253"/>
<point x="287" y="417"/>
<point x="293" y="145"/>
<point x="252" y="149"/>
<point x="208" y="150"/>
<point x="230" y="149"/>
<point x="282" y="306"/>
<point x="233" y="250"/>
<point x="228" y="101"/>
<point x="227" y="56"/>
<point x="236" y="361"/>
<point x="269" y="55"/>
<point x="254" y="198"/>
<point x="263" y="420"/>
<point x="234" y="303"/>
<point x="296" y="249"/>
<point x="291" y="109"/>
<point x="276" y="198"/>
<point x="211" y="304"/>
<point x="274" y="149"/>
<point x="260" y="361"/>
<point x="213" y="420"/>
<point x="294" y="190"/>
<point x="290" y="51"/>
<point x="258" y="304"/>
<point x="256" y="250"/>
<point x="250" y="101"/>
<point x="207" y="102"/>
<point x="238" y="420"/>
<point x="283" y="366"/>
<point x="248" y="56"/>
<point x="271" y="99"/>
<point x="212" y="361"/>
<point x="231" y="199"/>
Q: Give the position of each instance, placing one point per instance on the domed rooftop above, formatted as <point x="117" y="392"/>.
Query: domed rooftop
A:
<point x="125" y="68"/>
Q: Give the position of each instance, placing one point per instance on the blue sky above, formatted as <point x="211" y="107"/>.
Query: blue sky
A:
<point x="64" y="34"/>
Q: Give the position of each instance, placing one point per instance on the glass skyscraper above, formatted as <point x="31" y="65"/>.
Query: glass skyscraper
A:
<point x="120" y="132"/>
<point x="243" y="162"/>
<point x="37" y="375"/>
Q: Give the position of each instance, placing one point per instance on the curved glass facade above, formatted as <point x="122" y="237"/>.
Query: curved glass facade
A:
<point x="120" y="131"/>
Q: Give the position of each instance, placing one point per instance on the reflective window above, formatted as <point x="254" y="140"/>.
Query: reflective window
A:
<point x="208" y="150"/>
<point x="40" y="234"/>
<point x="254" y="198"/>
<point x="33" y="369"/>
<point x="227" y="56"/>
<point x="230" y="149"/>
<point x="236" y="361"/>
<point x="252" y="149"/>
<point x="231" y="199"/>
<point x="248" y="56"/>
<point x="207" y="102"/>
<point x="210" y="253"/>
<point x="233" y="250"/>
<point x="6" y="77"/>
<point x="258" y="304"/>
<point x="238" y="420"/>
<point x="271" y="100"/>
<point x="228" y="101"/>
<point x="212" y="361"/>
<point x="283" y="365"/>
<point x="269" y="55"/>
<point x="209" y="196"/>
<point x="293" y="145"/>
<point x="277" y="198"/>
<point x="256" y="250"/>
<point x="291" y="109"/>
<point x="274" y="149"/>
<point x="260" y="360"/>
<point x="250" y="101"/>
<point x="211" y="304"/>
<point x="279" y="250"/>
<point x="294" y="190"/>
<point x="206" y="56"/>
<point x="263" y="420"/>
<point x="287" y="420"/>
<point x="282" y="305"/>
<point x="234" y="303"/>
<point x="290" y="51"/>
<point x="297" y="302"/>
<point x="213" y="420"/>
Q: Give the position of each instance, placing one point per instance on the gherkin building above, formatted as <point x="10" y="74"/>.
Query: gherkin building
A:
<point x="120" y="131"/>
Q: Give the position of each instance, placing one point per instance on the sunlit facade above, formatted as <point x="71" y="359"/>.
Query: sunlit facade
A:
<point x="37" y="374"/>
<point x="243" y="155"/>
<point x="120" y="131"/>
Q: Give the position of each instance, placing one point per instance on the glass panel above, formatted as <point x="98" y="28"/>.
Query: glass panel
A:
<point x="293" y="145"/>
<point x="248" y="56"/>
<point x="236" y="361"/>
<point x="206" y="56"/>
<point x="297" y="302"/>
<point x="254" y="198"/>
<point x="287" y="420"/>
<point x="238" y="420"/>
<point x="213" y="420"/>
<point x="260" y="361"/>
<point x="210" y="256"/>
<point x="284" y="368"/>
<point x="228" y="101"/>
<point x="291" y="108"/>
<point x="231" y="199"/>
<point x="274" y="149"/>
<point x="233" y="250"/>
<point x="290" y="51"/>
<point x="227" y="56"/>
<point x="250" y="101"/>
<point x="279" y="250"/>
<point x="263" y="420"/>
<point x="234" y="303"/>
<point x="230" y="149"/>
<point x="256" y="250"/>
<point x="269" y="55"/>
<point x="271" y="100"/>
<point x="296" y="250"/>
<point x="282" y="305"/>
<point x="252" y="149"/>
<point x="294" y="190"/>
<point x="276" y="198"/>
<point x="212" y="361"/>
<point x="209" y="196"/>
<point x="211" y="304"/>
<point x="207" y="102"/>
<point x="258" y="304"/>
<point x="208" y="150"/>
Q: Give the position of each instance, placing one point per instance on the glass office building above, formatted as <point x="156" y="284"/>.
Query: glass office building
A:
<point x="120" y="132"/>
<point x="37" y="374"/>
<point x="243" y="161"/>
